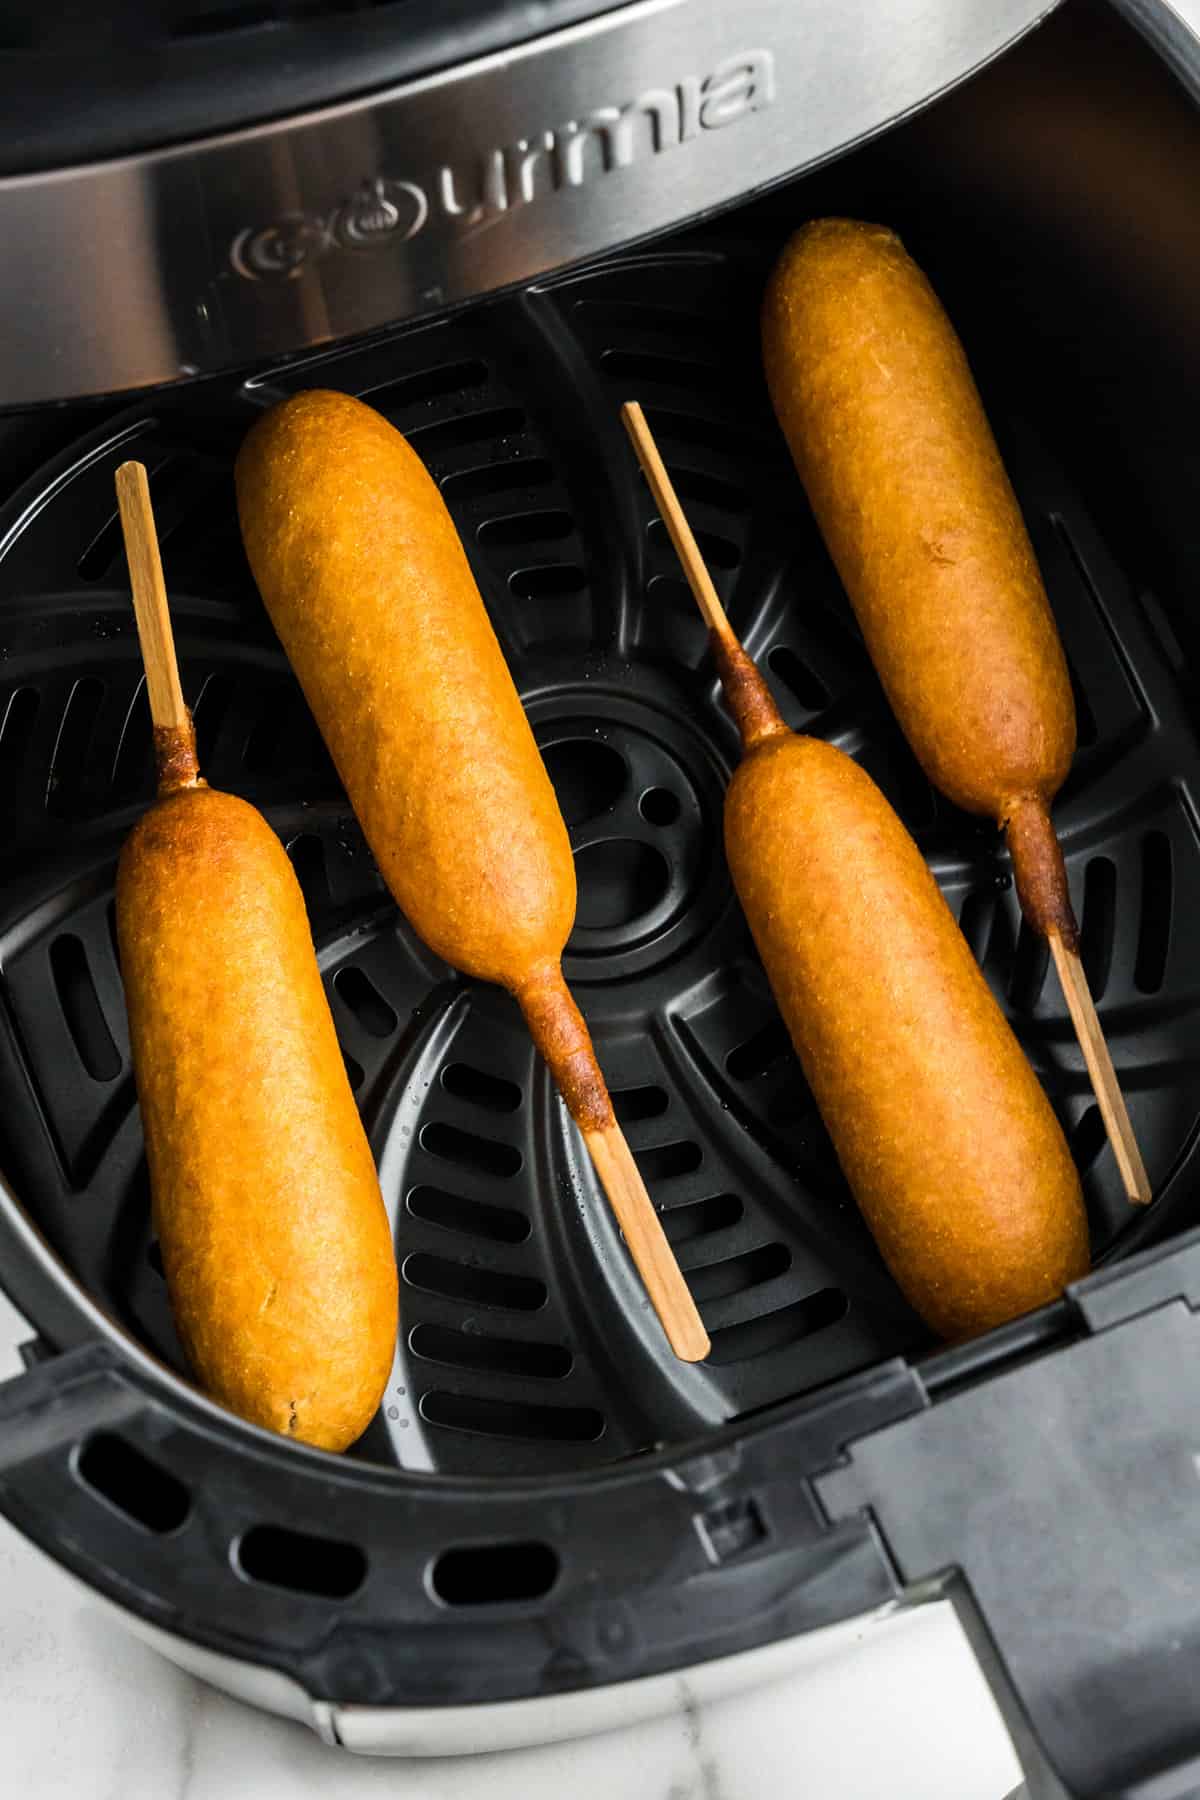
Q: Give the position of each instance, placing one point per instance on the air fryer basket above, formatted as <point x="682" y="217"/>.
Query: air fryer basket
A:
<point x="528" y="1355"/>
<point x="527" y="1343"/>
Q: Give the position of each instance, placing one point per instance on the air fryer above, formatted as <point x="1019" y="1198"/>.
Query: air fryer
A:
<point x="550" y="1518"/>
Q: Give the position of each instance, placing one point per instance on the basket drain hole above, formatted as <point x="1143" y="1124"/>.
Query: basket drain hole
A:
<point x="659" y="806"/>
<point x="282" y="1558"/>
<point x="130" y="1482"/>
<point x="619" y="881"/>
<point x="494" y="1574"/>
<point x="589" y="777"/>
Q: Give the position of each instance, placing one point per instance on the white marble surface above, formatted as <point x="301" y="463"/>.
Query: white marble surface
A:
<point x="87" y="1713"/>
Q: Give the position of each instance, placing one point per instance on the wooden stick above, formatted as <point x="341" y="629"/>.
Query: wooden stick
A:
<point x="560" y="1032"/>
<point x="1111" y="1101"/>
<point x="673" y="517"/>
<point x="174" y="738"/>
<point x="653" y="1257"/>
<point x="746" y="692"/>
<point x="149" y="596"/>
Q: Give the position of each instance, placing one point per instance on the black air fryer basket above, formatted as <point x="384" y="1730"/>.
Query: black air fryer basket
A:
<point x="548" y="1502"/>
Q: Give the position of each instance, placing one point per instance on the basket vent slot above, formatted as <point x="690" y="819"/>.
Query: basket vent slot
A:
<point x="355" y="988"/>
<point x="72" y="773"/>
<point x="776" y="1330"/>
<point x="1088" y="1138"/>
<point x="512" y="1418"/>
<point x="491" y="1092"/>
<point x="455" y="434"/>
<point x="478" y="1287"/>
<point x="525" y="528"/>
<point x="664" y="1162"/>
<point x="482" y="1156"/>
<point x="631" y="1105"/>
<point x="82" y="1010"/>
<point x="143" y="1491"/>
<point x="424" y="385"/>
<point x="716" y="1281"/>
<point x="718" y="552"/>
<point x="490" y="1355"/>
<point x="1097" y="928"/>
<point x="282" y="1558"/>
<point x="308" y="859"/>
<point x="799" y="679"/>
<point x="1031" y="965"/>
<point x="1154" y="937"/>
<point x="701" y="1217"/>
<point x="473" y="1218"/>
<point x="769" y="1044"/>
<point x="494" y="1574"/>
<point x="498" y="478"/>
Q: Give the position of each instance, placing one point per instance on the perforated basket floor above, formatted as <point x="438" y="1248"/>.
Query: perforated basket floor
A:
<point x="526" y="1344"/>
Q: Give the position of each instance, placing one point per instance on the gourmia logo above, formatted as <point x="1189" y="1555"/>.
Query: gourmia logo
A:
<point x="467" y="196"/>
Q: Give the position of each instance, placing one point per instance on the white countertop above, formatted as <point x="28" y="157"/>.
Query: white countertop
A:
<point x="88" y="1713"/>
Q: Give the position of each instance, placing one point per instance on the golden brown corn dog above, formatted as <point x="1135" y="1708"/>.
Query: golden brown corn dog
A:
<point x="369" y="589"/>
<point x="889" y="436"/>
<point x="275" y="1242"/>
<point x="367" y="584"/>
<point x="944" y="1133"/>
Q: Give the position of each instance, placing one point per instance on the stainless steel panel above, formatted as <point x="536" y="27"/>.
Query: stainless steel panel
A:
<point x="146" y="269"/>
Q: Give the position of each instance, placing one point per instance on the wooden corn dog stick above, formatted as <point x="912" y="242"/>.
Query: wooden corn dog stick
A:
<point x="675" y="520"/>
<point x="1107" y="1089"/>
<point x="889" y="436"/>
<point x="747" y="693"/>
<point x="174" y="736"/>
<point x="944" y="1133"/>
<point x="275" y="1243"/>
